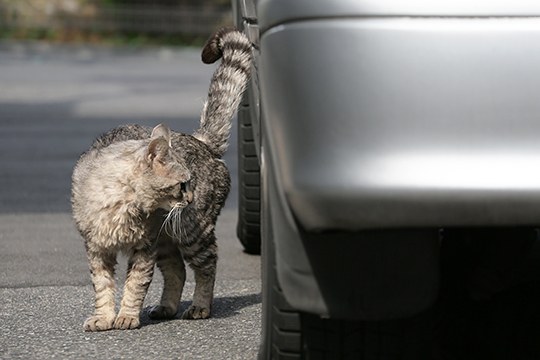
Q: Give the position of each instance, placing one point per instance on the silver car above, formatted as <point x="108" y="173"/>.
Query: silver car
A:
<point x="390" y="163"/>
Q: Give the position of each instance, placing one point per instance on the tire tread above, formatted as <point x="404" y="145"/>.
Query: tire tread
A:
<point x="248" y="229"/>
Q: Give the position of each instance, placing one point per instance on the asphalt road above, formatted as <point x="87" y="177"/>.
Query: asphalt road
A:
<point x="54" y="100"/>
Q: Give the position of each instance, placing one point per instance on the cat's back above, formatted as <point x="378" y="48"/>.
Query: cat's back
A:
<point x="90" y="159"/>
<point x="121" y="133"/>
<point x="197" y="154"/>
<point x="123" y="138"/>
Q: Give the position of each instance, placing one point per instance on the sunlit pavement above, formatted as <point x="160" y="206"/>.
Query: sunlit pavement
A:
<point x="54" y="100"/>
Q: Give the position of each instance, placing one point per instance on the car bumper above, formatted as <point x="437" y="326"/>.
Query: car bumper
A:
<point x="403" y="122"/>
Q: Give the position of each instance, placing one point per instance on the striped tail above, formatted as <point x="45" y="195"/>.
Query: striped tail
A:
<point x="226" y="87"/>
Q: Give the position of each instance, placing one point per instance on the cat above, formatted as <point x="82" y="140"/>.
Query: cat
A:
<point x="155" y="195"/>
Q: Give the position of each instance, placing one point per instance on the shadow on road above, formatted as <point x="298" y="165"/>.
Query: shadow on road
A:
<point x="228" y="306"/>
<point x="223" y="307"/>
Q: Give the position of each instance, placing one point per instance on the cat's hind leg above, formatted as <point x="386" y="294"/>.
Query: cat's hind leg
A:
<point x="139" y="276"/>
<point x="169" y="261"/>
<point x="102" y="272"/>
<point x="202" y="258"/>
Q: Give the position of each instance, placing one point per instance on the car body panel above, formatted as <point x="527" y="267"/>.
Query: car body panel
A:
<point x="275" y="12"/>
<point x="381" y="123"/>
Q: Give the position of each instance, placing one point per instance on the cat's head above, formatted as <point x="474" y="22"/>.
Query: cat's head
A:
<point x="166" y="172"/>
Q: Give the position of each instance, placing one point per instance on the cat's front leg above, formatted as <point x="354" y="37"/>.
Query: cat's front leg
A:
<point x="102" y="272"/>
<point x="203" y="262"/>
<point x="139" y="275"/>
<point x="202" y="298"/>
<point x="169" y="261"/>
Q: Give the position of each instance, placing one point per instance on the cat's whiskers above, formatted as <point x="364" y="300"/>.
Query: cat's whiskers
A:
<point x="173" y="222"/>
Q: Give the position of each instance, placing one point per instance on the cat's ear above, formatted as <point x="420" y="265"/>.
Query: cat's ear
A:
<point x="157" y="149"/>
<point x="161" y="131"/>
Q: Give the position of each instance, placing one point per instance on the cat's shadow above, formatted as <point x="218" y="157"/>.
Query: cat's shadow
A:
<point x="223" y="307"/>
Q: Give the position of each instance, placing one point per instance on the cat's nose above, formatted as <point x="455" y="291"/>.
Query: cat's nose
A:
<point x="188" y="196"/>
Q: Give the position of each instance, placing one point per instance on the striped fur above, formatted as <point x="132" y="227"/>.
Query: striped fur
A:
<point x="155" y="195"/>
<point x="226" y="87"/>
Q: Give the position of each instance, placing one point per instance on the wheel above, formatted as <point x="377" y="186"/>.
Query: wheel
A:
<point x="248" y="228"/>
<point x="292" y="335"/>
<point x="281" y="323"/>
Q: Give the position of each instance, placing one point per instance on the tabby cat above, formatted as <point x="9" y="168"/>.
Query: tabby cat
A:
<point x="155" y="195"/>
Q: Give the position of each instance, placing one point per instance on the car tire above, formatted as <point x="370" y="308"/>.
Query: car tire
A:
<point x="292" y="335"/>
<point x="289" y="334"/>
<point x="281" y="335"/>
<point x="248" y="229"/>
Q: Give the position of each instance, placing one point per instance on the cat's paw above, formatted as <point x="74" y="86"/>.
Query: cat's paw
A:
<point x="161" y="312"/>
<point x="126" y="322"/>
<point x="98" y="323"/>
<point x="196" y="312"/>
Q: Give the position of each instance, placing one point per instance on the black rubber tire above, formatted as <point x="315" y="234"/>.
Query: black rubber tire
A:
<point x="248" y="229"/>
<point x="281" y="323"/>
<point x="292" y="335"/>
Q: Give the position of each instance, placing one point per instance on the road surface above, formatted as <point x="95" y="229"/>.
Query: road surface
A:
<point x="54" y="100"/>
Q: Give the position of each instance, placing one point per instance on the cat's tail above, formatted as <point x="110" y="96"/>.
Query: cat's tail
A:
<point x="226" y="87"/>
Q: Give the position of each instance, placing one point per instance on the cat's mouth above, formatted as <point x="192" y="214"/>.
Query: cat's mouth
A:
<point x="183" y="198"/>
<point x="174" y="204"/>
<point x="184" y="202"/>
<point x="186" y="198"/>
<point x="186" y="193"/>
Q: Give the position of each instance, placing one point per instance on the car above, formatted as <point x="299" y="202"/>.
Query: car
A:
<point x="389" y="173"/>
